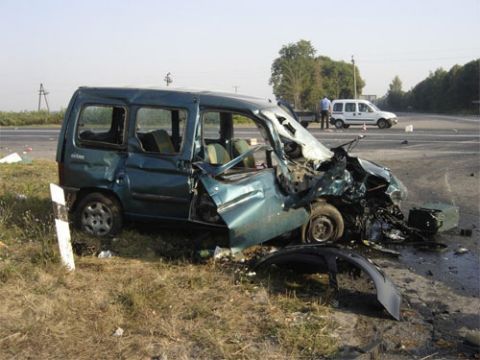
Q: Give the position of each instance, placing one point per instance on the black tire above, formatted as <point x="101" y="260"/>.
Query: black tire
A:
<point x="339" y="124"/>
<point x="99" y="215"/>
<point x="304" y="124"/>
<point x="325" y="225"/>
<point x="345" y="126"/>
<point x="382" y="124"/>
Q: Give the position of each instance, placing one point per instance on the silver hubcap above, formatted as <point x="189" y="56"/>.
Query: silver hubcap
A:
<point x="321" y="229"/>
<point x="97" y="218"/>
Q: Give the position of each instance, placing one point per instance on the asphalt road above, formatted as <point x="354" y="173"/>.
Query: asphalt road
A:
<point x="431" y="133"/>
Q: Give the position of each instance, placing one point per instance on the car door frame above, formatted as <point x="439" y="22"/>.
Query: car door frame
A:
<point x="160" y="185"/>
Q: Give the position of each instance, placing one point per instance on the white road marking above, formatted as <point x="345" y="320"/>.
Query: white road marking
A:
<point x="449" y="188"/>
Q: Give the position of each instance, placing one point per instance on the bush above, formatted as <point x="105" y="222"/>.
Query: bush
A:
<point x="31" y="118"/>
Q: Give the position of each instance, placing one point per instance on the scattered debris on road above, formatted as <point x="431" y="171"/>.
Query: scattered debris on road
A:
<point x="461" y="250"/>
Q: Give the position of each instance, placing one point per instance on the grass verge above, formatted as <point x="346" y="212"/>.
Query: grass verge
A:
<point x="168" y="306"/>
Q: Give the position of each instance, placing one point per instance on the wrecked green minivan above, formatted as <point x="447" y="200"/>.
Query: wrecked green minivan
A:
<point x="226" y="161"/>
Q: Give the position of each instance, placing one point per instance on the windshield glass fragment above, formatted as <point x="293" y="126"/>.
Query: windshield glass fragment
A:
<point x="291" y="130"/>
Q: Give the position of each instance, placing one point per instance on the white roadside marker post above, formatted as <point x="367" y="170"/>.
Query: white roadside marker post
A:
<point x="61" y="224"/>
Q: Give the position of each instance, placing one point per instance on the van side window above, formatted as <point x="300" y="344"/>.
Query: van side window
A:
<point x="227" y="135"/>
<point x="160" y="130"/>
<point x="350" y="107"/>
<point x="101" y="125"/>
<point x="211" y="126"/>
<point x="338" y="107"/>
<point x="363" y="107"/>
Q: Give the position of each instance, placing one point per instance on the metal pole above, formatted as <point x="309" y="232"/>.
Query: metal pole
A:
<point x="354" y="79"/>
<point x="168" y="79"/>
<point x="46" y="102"/>
<point x="40" y="97"/>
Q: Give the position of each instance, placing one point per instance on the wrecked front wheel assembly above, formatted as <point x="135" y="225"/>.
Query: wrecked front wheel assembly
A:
<point x="325" y="225"/>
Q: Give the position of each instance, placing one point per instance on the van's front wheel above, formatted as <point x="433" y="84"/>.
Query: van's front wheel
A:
<point x="325" y="225"/>
<point x="382" y="124"/>
<point x="99" y="215"/>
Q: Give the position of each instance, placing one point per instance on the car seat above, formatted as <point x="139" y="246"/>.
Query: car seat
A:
<point x="163" y="142"/>
<point x="241" y="146"/>
<point x="217" y="155"/>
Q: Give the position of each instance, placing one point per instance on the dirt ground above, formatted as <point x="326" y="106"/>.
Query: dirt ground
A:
<point x="441" y="306"/>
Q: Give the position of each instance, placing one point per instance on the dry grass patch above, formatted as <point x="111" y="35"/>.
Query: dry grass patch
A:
<point x="168" y="306"/>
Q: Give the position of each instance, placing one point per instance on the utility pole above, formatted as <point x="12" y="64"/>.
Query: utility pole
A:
<point x="236" y="88"/>
<point x="44" y="93"/>
<point x="168" y="79"/>
<point x="354" y="80"/>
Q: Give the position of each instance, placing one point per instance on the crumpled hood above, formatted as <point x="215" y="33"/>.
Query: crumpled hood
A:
<point x="374" y="169"/>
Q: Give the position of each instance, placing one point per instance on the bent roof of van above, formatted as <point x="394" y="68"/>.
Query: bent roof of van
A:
<point x="206" y="98"/>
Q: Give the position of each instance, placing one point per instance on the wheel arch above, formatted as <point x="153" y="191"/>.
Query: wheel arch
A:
<point x="89" y="190"/>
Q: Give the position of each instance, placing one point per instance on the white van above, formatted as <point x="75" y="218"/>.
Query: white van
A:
<point x="348" y="112"/>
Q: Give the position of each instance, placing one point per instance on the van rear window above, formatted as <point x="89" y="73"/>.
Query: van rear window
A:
<point x="338" y="107"/>
<point x="101" y="124"/>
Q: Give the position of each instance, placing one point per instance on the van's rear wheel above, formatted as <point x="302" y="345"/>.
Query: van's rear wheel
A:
<point x="324" y="225"/>
<point x="382" y="124"/>
<point x="339" y="124"/>
<point x="99" y="215"/>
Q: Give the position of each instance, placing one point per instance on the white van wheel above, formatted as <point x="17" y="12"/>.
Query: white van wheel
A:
<point x="339" y="124"/>
<point x="382" y="124"/>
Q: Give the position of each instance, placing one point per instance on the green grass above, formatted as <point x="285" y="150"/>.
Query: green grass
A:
<point x="26" y="118"/>
<point x="168" y="305"/>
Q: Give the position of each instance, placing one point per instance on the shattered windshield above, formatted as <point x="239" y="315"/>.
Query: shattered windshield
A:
<point x="288" y="128"/>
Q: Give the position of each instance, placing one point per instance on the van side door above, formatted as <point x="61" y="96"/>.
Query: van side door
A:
<point x="350" y="113"/>
<point x="158" y="170"/>
<point x="365" y="113"/>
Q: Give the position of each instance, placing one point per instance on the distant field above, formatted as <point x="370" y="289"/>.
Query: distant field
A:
<point x="25" y="118"/>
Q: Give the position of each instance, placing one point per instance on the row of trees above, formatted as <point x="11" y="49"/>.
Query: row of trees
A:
<point x="456" y="90"/>
<point x="302" y="78"/>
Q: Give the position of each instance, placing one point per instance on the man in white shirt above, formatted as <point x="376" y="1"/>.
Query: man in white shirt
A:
<point x="325" y="109"/>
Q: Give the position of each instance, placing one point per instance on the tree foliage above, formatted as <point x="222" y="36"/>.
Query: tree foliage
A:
<point x="442" y="91"/>
<point x="301" y="78"/>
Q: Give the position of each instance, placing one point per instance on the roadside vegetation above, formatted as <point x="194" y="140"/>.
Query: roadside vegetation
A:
<point x="167" y="304"/>
<point x="26" y="118"/>
<point x="452" y="91"/>
<point x="302" y="77"/>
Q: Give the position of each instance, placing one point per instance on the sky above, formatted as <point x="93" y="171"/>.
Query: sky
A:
<point x="220" y="45"/>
